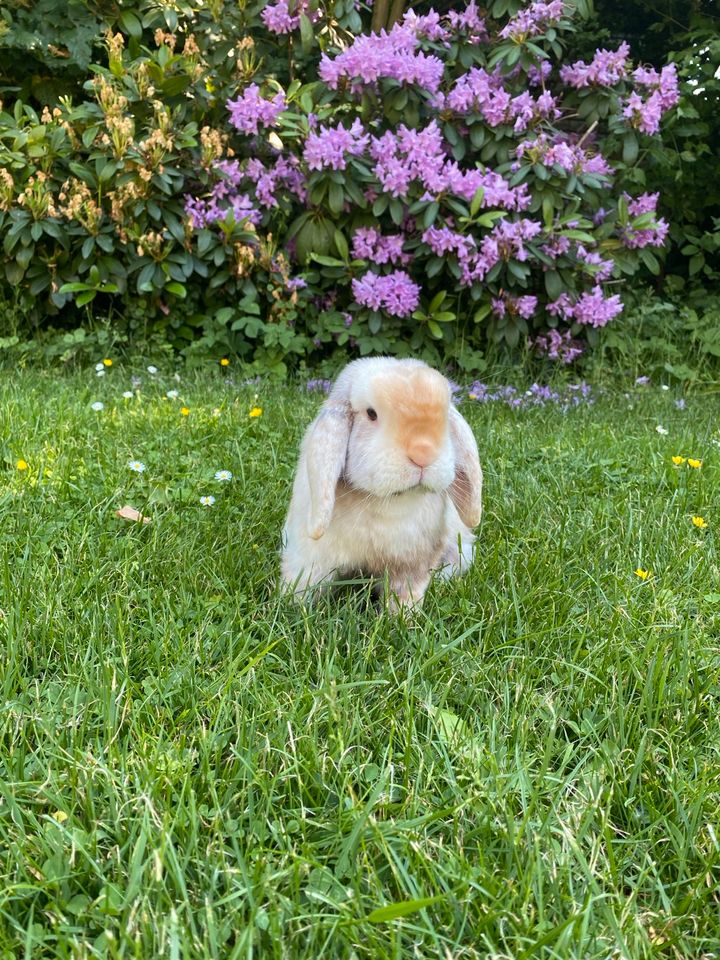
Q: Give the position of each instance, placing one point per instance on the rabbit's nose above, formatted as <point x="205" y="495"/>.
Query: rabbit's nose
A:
<point x="421" y="453"/>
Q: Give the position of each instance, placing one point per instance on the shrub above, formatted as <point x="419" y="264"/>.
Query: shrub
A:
<point x="437" y="186"/>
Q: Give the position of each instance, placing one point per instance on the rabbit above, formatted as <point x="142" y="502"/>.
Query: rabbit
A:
<point x="388" y="483"/>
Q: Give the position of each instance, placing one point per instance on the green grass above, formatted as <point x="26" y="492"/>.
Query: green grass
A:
<point x="193" y="767"/>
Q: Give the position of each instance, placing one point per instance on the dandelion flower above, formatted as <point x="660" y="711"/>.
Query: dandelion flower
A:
<point x="97" y="406"/>
<point x="678" y="461"/>
<point x="695" y="464"/>
<point x="661" y="430"/>
<point x="152" y="370"/>
<point x="136" y="466"/>
<point x="643" y="574"/>
<point x="224" y="362"/>
<point x="699" y="522"/>
<point x="184" y="411"/>
<point x="107" y="362"/>
<point x="22" y="464"/>
<point x="207" y="501"/>
<point x="172" y="394"/>
<point x="223" y="475"/>
<point x="128" y="394"/>
<point x="255" y="412"/>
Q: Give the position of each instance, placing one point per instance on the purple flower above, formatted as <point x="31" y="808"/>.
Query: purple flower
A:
<point x="329" y="146"/>
<point x="558" y="346"/>
<point x="595" y="310"/>
<point x="378" y="56"/>
<point x="533" y="20"/>
<point x="469" y="20"/>
<point x="605" y="69"/>
<point x="369" y="244"/>
<point x="516" y="306"/>
<point x="395" y="293"/>
<point x="251" y="111"/>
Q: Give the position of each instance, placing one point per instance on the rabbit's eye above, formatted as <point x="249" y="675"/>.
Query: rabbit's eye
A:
<point x="372" y="415"/>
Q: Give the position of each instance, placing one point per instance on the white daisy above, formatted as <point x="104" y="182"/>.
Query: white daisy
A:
<point x="152" y="370"/>
<point x="98" y="405"/>
<point x="172" y="394"/>
<point x="100" y="372"/>
<point x="99" y="366"/>
<point x="661" y="430"/>
<point x="128" y="394"/>
<point x="207" y="501"/>
<point x="223" y="475"/>
<point x="136" y="466"/>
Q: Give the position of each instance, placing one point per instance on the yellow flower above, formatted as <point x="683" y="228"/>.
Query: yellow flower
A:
<point x="678" y="461"/>
<point x="699" y="522"/>
<point x="695" y="464"/>
<point x="22" y="464"/>
<point x="107" y="362"/>
<point x="184" y="411"/>
<point x="643" y="574"/>
<point x="60" y="816"/>
<point x="224" y="362"/>
<point x="255" y="412"/>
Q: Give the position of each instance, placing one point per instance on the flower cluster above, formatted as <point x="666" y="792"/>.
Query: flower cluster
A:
<point x="574" y="395"/>
<point x="556" y="345"/>
<point x="592" y="309"/>
<point x="483" y="93"/>
<point x="395" y="293"/>
<point x="605" y="69"/>
<point x="251" y="111"/>
<point x="329" y="147"/>
<point x="572" y="158"/>
<point x="645" y="114"/>
<point x="392" y="56"/>
<point x="369" y="244"/>
<point x="654" y="235"/>
<point x="533" y="20"/>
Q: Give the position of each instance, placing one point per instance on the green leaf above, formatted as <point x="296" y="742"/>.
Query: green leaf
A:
<point x="435" y="329"/>
<point x="341" y="245"/>
<point x="177" y="289"/>
<point x="436" y="301"/>
<point x="86" y="297"/>
<point x="401" y="909"/>
<point x="327" y="261"/>
<point x="631" y="148"/>
<point x="476" y="201"/>
<point x="307" y="34"/>
<point x="130" y="24"/>
<point x="336" y="198"/>
<point x="482" y="312"/>
<point x="431" y="212"/>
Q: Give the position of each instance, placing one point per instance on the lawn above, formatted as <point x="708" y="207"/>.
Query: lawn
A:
<point x="193" y="767"/>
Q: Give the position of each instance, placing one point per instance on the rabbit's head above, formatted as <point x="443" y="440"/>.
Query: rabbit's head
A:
<point x="387" y="427"/>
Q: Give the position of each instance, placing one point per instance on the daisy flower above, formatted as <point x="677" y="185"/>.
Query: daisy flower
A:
<point x="100" y="366"/>
<point x="152" y="370"/>
<point x="661" y="430"/>
<point x="128" y="394"/>
<point x="97" y="406"/>
<point x="207" y="501"/>
<point x="172" y="394"/>
<point x="137" y="466"/>
<point x="223" y="475"/>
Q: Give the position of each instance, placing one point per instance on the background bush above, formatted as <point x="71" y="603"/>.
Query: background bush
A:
<point x="114" y="116"/>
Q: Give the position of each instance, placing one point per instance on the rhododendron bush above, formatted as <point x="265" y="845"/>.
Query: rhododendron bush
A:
<point x="302" y="187"/>
<point x="452" y="180"/>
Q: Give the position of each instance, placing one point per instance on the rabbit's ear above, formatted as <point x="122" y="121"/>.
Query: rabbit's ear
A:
<point x="326" y="450"/>
<point x="466" y="488"/>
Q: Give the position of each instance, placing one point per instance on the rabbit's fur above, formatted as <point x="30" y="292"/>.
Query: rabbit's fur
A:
<point x="396" y="493"/>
